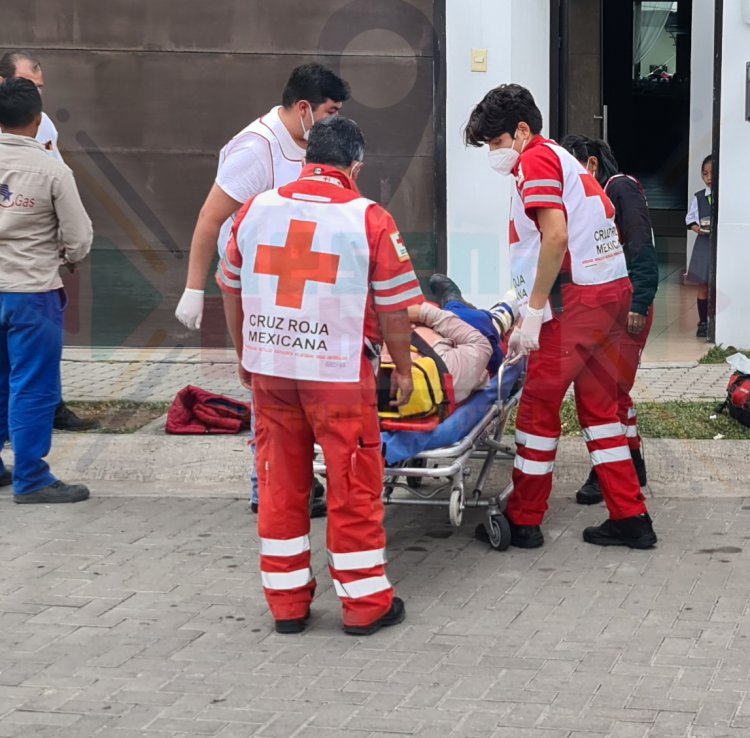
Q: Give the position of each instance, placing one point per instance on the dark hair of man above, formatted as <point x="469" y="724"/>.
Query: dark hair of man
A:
<point x="708" y="160"/>
<point x="316" y="84"/>
<point x="10" y="60"/>
<point x="501" y="110"/>
<point x="335" y="141"/>
<point x="583" y="147"/>
<point x="20" y="103"/>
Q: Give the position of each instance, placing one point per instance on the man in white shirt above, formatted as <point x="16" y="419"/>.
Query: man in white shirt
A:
<point x="23" y="64"/>
<point x="267" y="154"/>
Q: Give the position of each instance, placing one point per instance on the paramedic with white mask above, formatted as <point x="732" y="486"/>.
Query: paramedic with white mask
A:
<point x="314" y="274"/>
<point x="570" y="276"/>
<point x="266" y="154"/>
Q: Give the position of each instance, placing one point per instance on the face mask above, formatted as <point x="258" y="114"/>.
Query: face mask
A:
<point x="503" y="160"/>
<point x="306" y="131"/>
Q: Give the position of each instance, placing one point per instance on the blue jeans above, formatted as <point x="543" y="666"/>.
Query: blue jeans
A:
<point x="482" y="321"/>
<point x="254" y="463"/>
<point x="31" y="340"/>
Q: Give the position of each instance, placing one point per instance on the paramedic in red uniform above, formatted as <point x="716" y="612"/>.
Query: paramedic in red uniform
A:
<point x="571" y="279"/>
<point x="314" y="273"/>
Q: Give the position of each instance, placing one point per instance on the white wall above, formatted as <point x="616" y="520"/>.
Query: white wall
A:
<point x="701" y="101"/>
<point x="733" y="299"/>
<point x="516" y="35"/>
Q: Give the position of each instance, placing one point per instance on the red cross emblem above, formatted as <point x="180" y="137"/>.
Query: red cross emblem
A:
<point x="296" y="264"/>
<point x="593" y="189"/>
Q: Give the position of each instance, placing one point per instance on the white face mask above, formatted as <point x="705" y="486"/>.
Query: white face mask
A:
<point x="306" y="131"/>
<point x="503" y="160"/>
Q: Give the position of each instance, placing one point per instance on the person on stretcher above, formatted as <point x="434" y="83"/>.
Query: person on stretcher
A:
<point x="468" y="340"/>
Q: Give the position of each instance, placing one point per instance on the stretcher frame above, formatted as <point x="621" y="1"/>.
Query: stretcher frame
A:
<point x="451" y="465"/>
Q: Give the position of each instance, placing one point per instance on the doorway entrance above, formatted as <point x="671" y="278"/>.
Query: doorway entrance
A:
<point x="621" y="71"/>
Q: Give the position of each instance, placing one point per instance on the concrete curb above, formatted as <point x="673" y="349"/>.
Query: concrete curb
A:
<point x="220" y="465"/>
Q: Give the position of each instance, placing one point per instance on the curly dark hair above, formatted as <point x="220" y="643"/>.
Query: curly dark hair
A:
<point x="501" y="110"/>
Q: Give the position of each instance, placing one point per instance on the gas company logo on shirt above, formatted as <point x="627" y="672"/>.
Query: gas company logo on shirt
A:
<point x="9" y="199"/>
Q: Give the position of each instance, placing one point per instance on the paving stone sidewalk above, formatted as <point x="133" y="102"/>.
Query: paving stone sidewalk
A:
<point x="143" y="378"/>
<point x="133" y="617"/>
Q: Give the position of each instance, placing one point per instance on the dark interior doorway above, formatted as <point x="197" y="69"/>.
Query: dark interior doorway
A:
<point x="621" y="71"/>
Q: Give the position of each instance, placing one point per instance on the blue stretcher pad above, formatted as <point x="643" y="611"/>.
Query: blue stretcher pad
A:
<point x="403" y="445"/>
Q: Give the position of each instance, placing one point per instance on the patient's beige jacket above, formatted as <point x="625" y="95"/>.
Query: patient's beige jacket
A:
<point x="41" y="217"/>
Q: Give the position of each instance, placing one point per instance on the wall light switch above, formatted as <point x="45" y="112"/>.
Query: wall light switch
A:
<point x="479" y="60"/>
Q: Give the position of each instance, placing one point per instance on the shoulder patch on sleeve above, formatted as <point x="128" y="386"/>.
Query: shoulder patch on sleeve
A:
<point x="398" y="245"/>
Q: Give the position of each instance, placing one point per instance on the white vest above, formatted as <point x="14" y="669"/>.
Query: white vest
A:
<point x="305" y="281"/>
<point x="283" y="170"/>
<point x="596" y="255"/>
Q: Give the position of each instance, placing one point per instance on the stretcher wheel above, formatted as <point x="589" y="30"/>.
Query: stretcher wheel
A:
<point x="456" y="507"/>
<point x="498" y="529"/>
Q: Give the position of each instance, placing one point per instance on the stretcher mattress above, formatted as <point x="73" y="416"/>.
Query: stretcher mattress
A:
<point x="403" y="445"/>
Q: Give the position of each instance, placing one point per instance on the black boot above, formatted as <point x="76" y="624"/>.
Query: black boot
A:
<point x="702" y="331"/>
<point x="590" y="493"/>
<point x="635" y="532"/>
<point x="640" y="466"/>
<point x="67" y="420"/>
<point x="446" y="290"/>
<point x="521" y="536"/>
<point x="394" y="616"/>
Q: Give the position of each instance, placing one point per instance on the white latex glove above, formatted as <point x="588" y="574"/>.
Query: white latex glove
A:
<point x="190" y="309"/>
<point x="525" y="337"/>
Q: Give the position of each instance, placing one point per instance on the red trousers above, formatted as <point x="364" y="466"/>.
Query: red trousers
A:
<point x="342" y="417"/>
<point x="631" y="348"/>
<point x="579" y="346"/>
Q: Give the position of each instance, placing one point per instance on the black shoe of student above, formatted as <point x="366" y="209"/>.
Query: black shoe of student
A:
<point x="521" y="536"/>
<point x="635" y="532"/>
<point x="446" y="290"/>
<point x="288" y="627"/>
<point x="6" y="478"/>
<point x="590" y="493"/>
<point x="67" y="420"/>
<point x="394" y="616"/>
<point x="56" y="492"/>
<point x="702" y="331"/>
<point x="640" y="466"/>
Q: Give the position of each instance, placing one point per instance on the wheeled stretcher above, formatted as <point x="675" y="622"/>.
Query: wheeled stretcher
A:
<point x="441" y="457"/>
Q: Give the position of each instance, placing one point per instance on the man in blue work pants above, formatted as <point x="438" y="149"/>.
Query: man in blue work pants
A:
<point x="42" y="225"/>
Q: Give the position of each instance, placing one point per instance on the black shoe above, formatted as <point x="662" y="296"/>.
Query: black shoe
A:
<point x="590" y="493"/>
<point x="67" y="420"/>
<point x="521" y="536"/>
<point x="394" y="616"/>
<point x="287" y="627"/>
<point x="318" y="508"/>
<point x="6" y="478"/>
<point x="635" y="532"/>
<point x="56" y="492"/>
<point x="702" y="331"/>
<point x="445" y="290"/>
<point x="640" y="466"/>
<point x="254" y="507"/>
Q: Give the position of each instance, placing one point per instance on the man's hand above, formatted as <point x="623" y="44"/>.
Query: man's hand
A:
<point x="190" y="309"/>
<point x="246" y="378"/>
<point x="402" y="388"/>
<point x="525" y="338"/>
<point x="636" y="323"/>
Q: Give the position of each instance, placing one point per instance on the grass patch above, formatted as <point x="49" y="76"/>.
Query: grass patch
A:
<point x="674" y="419"/>
<point x="719" y="354"/>
<point x="120" y="416"/>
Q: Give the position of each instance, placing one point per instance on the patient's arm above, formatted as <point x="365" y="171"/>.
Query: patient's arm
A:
<point x="467" y="359"/>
